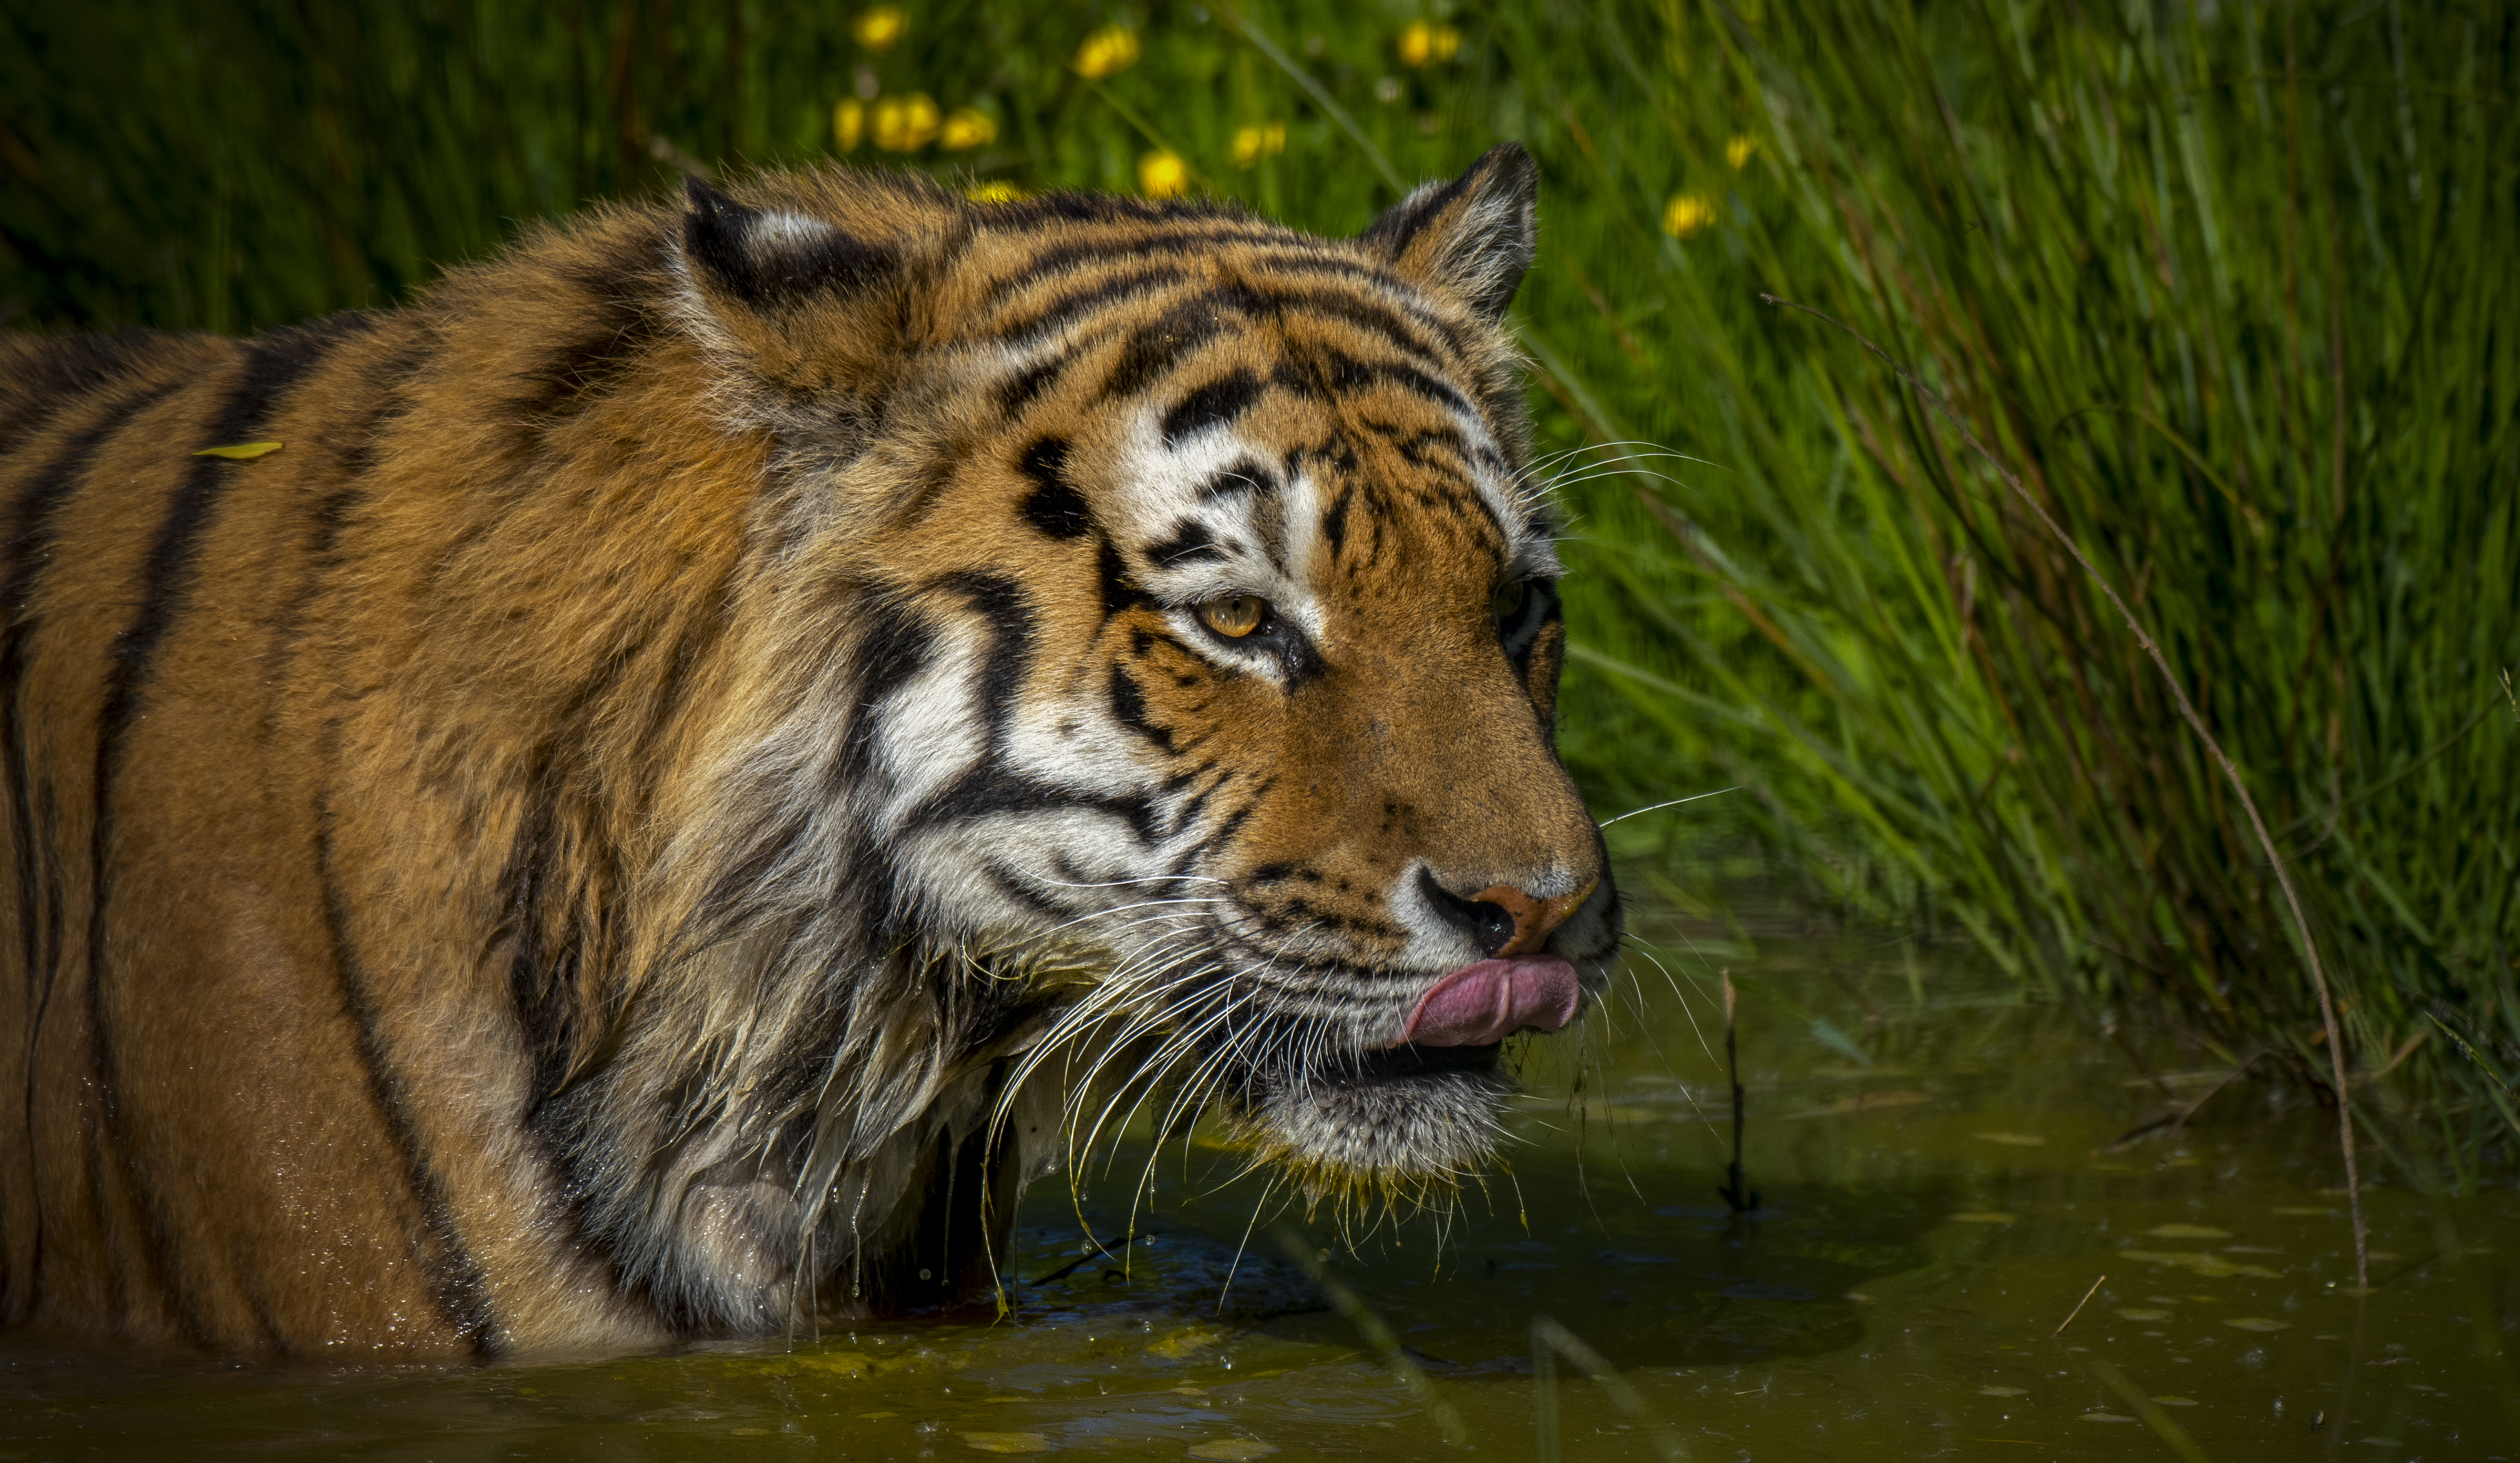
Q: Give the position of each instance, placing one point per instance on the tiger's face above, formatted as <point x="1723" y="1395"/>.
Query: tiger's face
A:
<point x="1295" y="772"/>
<point x="1216" y="628"/>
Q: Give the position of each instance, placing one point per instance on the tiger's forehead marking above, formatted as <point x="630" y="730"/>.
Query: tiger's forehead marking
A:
<point x="1236" y="508"/>
<point x="1247" y="368"/>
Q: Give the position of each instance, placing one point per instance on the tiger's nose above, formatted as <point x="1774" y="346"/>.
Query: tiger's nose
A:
<point x="1504" y="920"/>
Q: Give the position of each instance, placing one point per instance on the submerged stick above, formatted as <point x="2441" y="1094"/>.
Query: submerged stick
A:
<point x="2196" y="724"/>
<point x="1735" y="1194"/>
<point x="2078" y="1307"/>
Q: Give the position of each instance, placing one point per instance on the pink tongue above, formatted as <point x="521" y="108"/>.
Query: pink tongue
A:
<point x="1489" y="1002"/>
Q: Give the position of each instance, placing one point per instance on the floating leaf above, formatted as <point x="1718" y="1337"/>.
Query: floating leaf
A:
<point x="2257" y="1324"/>
<point x="2143" y="1313"/>
<point x="2176" y="1401"/>
<point x="2002" y="1392"/>
<point x="1008" y="1442"/>
<point x="240" y="451"/>
<point x="1183" y="1342"/>
<point x="2196" y="1262"/>
<point x="1863" y="1102"/>
<point x="2187" y="1231"/>
<point x="2106" y="1417"/>
<point x="2014" y="1139"/>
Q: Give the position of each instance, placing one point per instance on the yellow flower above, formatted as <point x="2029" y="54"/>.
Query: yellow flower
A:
<point x="968" y="128"/>
<point x="993" y="193"/>
<point x="905" y="124"/>
<point x="1251" y="144"/>
<point x="1162" y="175"/>
<point x="877" y="29"/>
<point x="1424" y="44"/>
<point x="1738" y="151"/>
<point x="1688" y="215"/>
<point x="848" y="124"/>
<point x="1113" y="48"/>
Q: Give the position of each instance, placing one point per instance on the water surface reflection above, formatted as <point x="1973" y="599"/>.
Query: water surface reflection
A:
<point x="1941" y="1184"/>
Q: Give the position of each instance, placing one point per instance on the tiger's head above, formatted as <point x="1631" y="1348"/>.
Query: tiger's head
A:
<point x="1159" y="582"/>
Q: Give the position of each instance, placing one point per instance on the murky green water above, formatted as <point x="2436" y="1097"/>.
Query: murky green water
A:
<point x="1938" y="1195"/>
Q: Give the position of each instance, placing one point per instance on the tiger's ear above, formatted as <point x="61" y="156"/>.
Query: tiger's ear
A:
<point x="805" y="301"/>
<point x="1472" y="237"/>
<point x="768" y="259"/>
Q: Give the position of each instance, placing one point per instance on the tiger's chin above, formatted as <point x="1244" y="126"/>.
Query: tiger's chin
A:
<point x="1408" y="1124"/>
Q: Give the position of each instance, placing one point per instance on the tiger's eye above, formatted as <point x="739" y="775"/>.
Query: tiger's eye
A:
<point x="1233" y="616"/>
<point x="1506" y="603"/>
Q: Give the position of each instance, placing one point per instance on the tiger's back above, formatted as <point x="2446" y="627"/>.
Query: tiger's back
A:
<point x="585" y="842"/>
<point x="227" y="939"/>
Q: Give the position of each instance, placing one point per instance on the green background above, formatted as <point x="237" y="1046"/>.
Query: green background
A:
<point x="2231" y="287"/>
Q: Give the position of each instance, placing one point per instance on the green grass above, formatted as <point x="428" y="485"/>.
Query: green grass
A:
<point x="2235" y="296"/>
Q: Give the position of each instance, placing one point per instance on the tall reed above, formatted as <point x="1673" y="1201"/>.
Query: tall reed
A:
<point x="2222" y="290"/>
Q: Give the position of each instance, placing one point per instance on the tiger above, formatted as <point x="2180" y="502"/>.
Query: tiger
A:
<point x="649" y="792"/>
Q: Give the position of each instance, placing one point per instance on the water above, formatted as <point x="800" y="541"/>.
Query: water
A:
<point x="1939" y="1189"/>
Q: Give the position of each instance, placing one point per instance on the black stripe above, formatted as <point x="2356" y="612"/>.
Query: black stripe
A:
<point x="1012" y="884"/>
<point x="1017" y="392"/>
<point x="1391" y="235"/>
<point x="272" y="365"/>
<point x="1357" y="313"/>
<point x="1063" y="207"/>
<point x="1335" y="522"/>
<point x="1043" y="265"/>
<point x="1399" y="293"/>
<point x="995" y="788"/>
<point x="991" y="787"/>
<point x="455" y="1282"/>
<point x="544" y="963"/>
<point x="703" y="627"/>
<point x="620" y="331"/>
<point x="1129" y="709"/>
<point x="1048" y="318"/>
<point x="1219" y="403"/>
<point x="1012" y="631"/>
<point x="1338" y="371"/>
<point x="32" y="528"/>
<point x="1191" y="543"/>
<point x="894" y="648"/>
<point x="1241" y="476"/>
<point x="1197" y="801"/>
<point x="1281" y="254"/>
<point x="332" y="512"/>
<point x="61" y="373"/>
<point x="1118" y="593"/>
<point x="1053" y="505"/>
<point x="1157" y="346"/>
<point x="1412" y="443"/>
